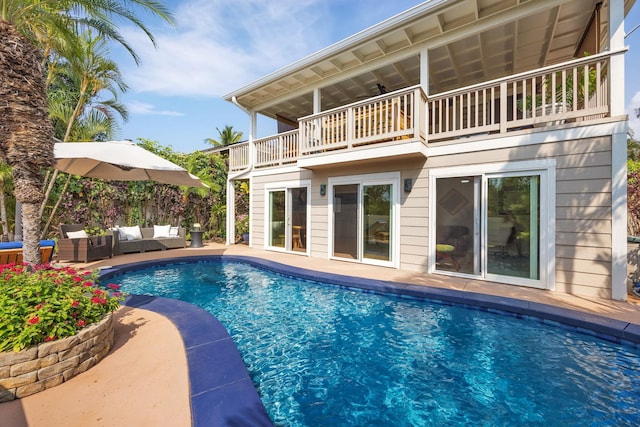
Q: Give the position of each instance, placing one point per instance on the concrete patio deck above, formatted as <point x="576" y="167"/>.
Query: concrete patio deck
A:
<point x="134" y="386"/>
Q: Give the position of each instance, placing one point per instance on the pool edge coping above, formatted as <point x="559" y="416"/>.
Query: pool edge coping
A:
<point x="197" y="344"/>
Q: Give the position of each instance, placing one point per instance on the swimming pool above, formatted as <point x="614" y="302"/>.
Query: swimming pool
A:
<point x="322" y="355"/>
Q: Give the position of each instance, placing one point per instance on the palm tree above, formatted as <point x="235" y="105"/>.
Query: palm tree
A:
<point x="228" y="136"/>
<point x="26" y="133"/>
<point x="77" y="86"/>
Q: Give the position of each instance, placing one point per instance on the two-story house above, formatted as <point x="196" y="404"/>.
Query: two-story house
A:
<point x="476" y="138"/>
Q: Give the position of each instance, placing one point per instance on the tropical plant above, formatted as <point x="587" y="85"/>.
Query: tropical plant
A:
<point x="26" y="133"/>
<point x="45" y="303"/>
<point x="77" y="87"/>
<point x="227" y="136"/>
<point x="556" y="90"/>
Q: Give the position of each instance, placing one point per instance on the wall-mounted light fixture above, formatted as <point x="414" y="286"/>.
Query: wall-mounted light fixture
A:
<point x="408" y="184"/>
<point x="323" y="189"/>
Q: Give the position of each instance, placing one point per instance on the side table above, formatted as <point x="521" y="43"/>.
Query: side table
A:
<point x="196" y="239"/>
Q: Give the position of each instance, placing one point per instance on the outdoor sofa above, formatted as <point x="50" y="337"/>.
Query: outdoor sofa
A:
<point x="143" y="239"/>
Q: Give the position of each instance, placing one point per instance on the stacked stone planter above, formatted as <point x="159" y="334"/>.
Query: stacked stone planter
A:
<point x="46" y="365"/>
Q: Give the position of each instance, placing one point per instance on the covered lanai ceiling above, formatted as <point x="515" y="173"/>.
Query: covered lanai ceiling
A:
<point x="468" y="41"/>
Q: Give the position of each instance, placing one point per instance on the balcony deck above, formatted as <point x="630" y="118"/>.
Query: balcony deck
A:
<point x="565" y="93"/>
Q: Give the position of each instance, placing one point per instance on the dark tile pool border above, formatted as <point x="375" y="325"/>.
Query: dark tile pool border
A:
<point x="221" y="389"/>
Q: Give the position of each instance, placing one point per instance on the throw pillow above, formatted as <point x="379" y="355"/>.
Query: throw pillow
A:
<point x="161" y="231"/>
<point x="174" y="232"/>
<point x="77" y="234"/>
<point x="131" y="233"/>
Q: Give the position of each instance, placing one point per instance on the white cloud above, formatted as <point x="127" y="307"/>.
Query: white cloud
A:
<point x="217" y="45"/>
<point x="138" y="107"/>
<point x="634" y="121"/>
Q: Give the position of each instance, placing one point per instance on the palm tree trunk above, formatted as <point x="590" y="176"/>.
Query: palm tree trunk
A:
<point x="28" y="186"/>
<point x="26" y="133"/>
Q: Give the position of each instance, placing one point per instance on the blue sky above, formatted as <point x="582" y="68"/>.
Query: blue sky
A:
<point x="217" y="46"/>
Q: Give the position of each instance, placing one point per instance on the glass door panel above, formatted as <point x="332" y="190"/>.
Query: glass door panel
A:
<point x="345" y="221"/>
<point x="298" y="239"/>
<point x="457" y="213"/>
<point x="513" y="226"/>
<point x="277" y="218"/>
<point x="376" y="220"/>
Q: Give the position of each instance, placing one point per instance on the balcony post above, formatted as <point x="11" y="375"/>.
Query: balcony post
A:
<point x="618" y="154"/>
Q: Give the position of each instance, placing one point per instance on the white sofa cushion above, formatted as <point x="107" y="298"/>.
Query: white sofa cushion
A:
<point x="161" y="231"/>
<point x="130" y="233"/>
<point x="77" y="234"/>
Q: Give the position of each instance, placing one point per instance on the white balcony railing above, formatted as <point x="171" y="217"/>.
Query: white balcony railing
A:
<point x="389" y="117"/>
<point x="572" y="91"/>
<point x="575" y="90"/>
<point x="277" y="150"/>
<point x="239" y="157"/>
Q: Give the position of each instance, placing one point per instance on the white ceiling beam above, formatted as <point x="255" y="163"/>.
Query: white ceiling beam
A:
<point x="552" y="31"/>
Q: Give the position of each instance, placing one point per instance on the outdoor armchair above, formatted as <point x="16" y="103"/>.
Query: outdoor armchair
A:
<point x="82" y="249"/>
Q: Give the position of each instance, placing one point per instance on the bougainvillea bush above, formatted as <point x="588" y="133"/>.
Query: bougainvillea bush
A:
<point x="42" y="303"/>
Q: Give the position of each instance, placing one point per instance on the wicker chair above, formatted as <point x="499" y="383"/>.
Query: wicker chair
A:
<point x="83" y="249"/>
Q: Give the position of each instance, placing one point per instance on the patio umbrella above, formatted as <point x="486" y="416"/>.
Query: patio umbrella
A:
<point x="119" y="161"/>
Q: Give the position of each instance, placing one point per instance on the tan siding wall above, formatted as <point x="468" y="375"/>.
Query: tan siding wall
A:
<point x="583" y="207"/>
<point x="583" y="213"/>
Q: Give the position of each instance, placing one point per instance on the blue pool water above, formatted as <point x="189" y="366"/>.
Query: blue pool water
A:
<point x="325" y="356"/>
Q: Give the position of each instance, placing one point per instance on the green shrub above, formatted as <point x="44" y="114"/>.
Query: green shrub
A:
<point x="42" y="303"/>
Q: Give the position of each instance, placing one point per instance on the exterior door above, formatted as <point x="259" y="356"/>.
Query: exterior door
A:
<point x="363" y="219"/>
<point x="287" y="223"/>
<point x="513" y="226"/>
<point x="490" y="226"/>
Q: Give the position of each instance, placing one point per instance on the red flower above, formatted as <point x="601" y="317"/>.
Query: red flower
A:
<point x="75" y="304"/>
<point x="98" y="300"/>
<point x="81" y="323"/>
<point x="87" y="284"/>
<point x="34" y="320"/>
<point x="77" y="279"/>
<point x="39" y="306"/>
<point x="98" y="292"/>
<point x="113" y="286"/>
<point x="47" y="339"/>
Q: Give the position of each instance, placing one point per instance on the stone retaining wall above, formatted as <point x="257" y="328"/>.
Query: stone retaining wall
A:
<point x="49" y="364"/>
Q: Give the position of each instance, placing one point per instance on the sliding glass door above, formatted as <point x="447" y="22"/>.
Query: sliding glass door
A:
<point x="362" y="220"/>
<point x="345" y="221"/>
<point x="490" y="226"/>
<point x="376" y="221"/>
<point x="513" y="226"/>
<point x="287" y="219"/>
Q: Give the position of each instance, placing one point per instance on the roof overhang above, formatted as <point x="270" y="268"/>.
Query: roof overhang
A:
<point x="465" y="41"/>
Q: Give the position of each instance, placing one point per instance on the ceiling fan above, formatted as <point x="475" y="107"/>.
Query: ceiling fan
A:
<point x="381" y="89"/>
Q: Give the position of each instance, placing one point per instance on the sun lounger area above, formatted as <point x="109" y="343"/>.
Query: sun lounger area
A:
<point x="11" y="252"/>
